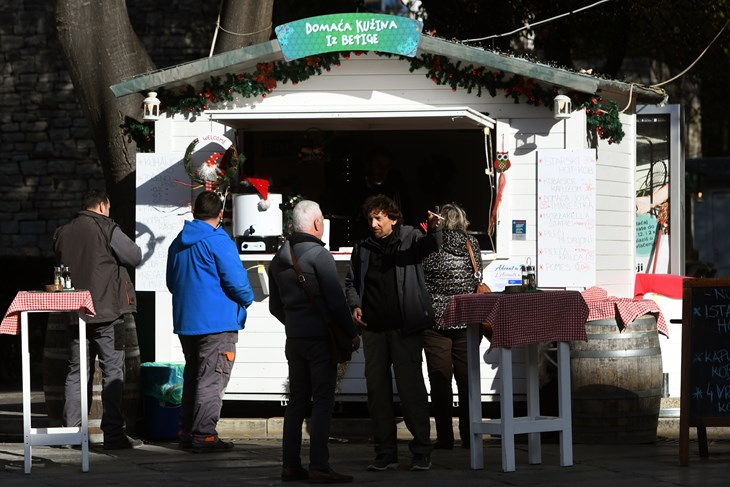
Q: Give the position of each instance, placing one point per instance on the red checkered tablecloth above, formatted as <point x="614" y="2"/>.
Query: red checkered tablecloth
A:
<point x="623" y="310"/>
<point x="40" y="301"/>
<point x="521" y="318"/>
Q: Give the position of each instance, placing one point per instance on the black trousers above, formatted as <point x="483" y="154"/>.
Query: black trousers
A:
<point x="446" y="358"/>
<point x="101" y="343"/>
<point x="313" y="377"/>
<point x="405" y="354"/>
<point x="208" y="363"/>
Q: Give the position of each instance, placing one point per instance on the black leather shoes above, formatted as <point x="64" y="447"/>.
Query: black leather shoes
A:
<point x="124" y="443"/>
<point x="294" y="473"/>
<point x="442" y="445"/>
<point x="328" y="476"/>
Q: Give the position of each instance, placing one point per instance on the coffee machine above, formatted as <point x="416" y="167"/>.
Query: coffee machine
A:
<point x="257" y="223"/>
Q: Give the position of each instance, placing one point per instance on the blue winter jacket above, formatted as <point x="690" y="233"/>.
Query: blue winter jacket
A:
<point x="209" y="286"/>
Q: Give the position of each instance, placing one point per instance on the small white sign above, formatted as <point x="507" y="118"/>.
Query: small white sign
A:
<point x="501" y="273"/>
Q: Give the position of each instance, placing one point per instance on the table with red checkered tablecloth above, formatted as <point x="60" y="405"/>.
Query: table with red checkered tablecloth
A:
<point x="16" y="321"/>
<point x="40" y="301"/>
<point x="518" y="319"/>
<point x="522" y="318"/>
<point x="623" y="310"/>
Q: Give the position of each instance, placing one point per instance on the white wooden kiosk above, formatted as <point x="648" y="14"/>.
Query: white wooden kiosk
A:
<point x="419" y="120"/>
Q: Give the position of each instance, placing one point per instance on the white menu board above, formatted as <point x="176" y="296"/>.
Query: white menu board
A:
<point x="163" y="204"/>
<point x="566" y="218"/>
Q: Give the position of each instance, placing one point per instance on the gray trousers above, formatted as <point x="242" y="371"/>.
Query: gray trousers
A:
<point x="208" y="363"/>
<point x="102" y="344"/>
<point x="382" y="349"/>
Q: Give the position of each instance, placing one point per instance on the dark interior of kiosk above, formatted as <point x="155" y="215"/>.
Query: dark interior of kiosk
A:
<point x="434" y="167"/>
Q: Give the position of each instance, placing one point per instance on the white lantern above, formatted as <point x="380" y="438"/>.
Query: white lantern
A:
<point x="151" y="106"/>
<point x="562" y="106"/>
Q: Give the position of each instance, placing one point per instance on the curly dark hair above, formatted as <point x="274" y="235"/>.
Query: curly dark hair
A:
<point x="378" y="203"/>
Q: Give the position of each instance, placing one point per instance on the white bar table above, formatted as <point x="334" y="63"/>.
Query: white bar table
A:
<point x="40" y="302"/>
<point x="520" y="319"/>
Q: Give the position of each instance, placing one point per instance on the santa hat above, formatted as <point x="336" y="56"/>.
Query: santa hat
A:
<point x="261" y="186"/>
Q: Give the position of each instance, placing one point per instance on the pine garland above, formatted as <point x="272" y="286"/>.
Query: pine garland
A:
<point x="603" y="117"/>
<point x="603" y="120"/>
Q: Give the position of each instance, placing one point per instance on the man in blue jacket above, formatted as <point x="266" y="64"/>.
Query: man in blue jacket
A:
<point x="387" y="294"/>
<point x="210" y="294"/>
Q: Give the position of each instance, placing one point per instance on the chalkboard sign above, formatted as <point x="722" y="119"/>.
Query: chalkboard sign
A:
<point x="705" y="392"/>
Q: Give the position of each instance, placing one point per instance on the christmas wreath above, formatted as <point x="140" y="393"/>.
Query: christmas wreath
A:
<point x="216" y="173"/>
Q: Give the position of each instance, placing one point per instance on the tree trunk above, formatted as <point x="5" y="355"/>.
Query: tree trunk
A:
<point x="243" y="23"/>
<point x="101" y="49"/>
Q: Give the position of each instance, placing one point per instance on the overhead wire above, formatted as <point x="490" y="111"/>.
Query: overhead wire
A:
<point x="587" y="7"/>
<point x="529" y="25"/>
<point x="657" y="85"/>
<point x="219" y="27"/>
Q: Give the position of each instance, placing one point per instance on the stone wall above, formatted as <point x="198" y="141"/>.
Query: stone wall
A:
<point x="47" y="160"/>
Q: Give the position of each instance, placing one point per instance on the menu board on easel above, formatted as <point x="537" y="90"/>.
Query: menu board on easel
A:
<point x="705" y="391"/>
<point x="163" y="204"/>
<point x="566" y="218"/>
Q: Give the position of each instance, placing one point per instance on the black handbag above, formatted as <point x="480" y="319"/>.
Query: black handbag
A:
<point x="339" y="342"/>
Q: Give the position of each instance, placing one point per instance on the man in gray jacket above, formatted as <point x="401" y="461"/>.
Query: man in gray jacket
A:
<point x="312" y="372"/>
<point x="386" y="292"/>
<point x="97" y="253"/>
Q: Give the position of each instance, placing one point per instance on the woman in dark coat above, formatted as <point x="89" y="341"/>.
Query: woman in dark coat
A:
<point x="449" y="272"/>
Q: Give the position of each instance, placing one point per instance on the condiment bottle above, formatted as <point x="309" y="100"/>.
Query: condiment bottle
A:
<point x="67" y="282"/>
<point x="525" y="278"/>
<point x="531" y="278"/>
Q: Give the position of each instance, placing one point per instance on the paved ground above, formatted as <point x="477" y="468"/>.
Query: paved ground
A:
<point x="256" y="461"/>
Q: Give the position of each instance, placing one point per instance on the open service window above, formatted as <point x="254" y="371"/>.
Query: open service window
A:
<point x="429" y="158"/>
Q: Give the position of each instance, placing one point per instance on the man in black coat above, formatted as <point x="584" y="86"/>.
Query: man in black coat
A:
<point x="98" y="254"/>
<point x="312" y="372"/>
<point x="387" y="295"/>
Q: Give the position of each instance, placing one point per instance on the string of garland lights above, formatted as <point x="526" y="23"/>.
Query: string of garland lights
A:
<point x="602" y="115"/>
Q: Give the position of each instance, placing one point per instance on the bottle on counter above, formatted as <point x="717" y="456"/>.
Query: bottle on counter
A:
<point x="57" y="278"/>
<point x="67" y="278"/>
<point x="531" y="278"/>
<point x="525" y="278"/>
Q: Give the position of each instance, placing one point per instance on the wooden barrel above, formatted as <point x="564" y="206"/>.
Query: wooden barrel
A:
<point x="132" y="401"/>
<point x="55" y="369"/>
<point x="616" y="381"/>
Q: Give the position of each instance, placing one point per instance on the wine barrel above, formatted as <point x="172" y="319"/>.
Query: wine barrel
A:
<point x="616" y="381"/>
<point x="132" y="400"/>
<point x="55" y="369"/>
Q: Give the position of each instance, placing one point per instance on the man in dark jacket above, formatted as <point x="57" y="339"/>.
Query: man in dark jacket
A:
<point x="97" y="253"/>
<point x="312" y="372"/>
<point x="387" y="294"/>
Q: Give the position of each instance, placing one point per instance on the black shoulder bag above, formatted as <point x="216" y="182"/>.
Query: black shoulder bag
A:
<point x="339" y="342"/>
